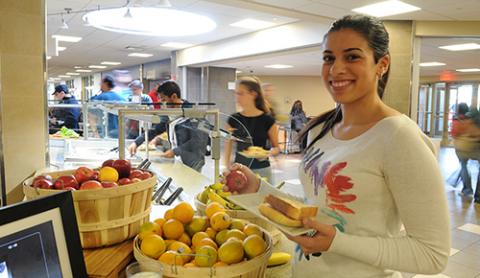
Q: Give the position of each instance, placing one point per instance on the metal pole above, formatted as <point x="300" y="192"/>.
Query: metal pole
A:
<point x="121" y="134"/>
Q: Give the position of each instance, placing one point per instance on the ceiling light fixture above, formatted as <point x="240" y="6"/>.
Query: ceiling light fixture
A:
<point x="77" y="67"/>
<point x="145" y="21"/>
<point x="110" y="63"/>
<point x="83" y="70"/>
<point x="431" y="64"/>
<point x="386" y="8"/>
<point x="176" y="45"/>
<point x="461" y="47"/>
<point x="64" y="76"/>
<point x="72" y="73"/>
<point x="97" y="67"/>
<point x="141" y="55"/>
<point x="61" y="48"/>
<point x="253" y="24"/>
<point x="279" y="66"/>
<point x="468" y="70"/>
<point x="49" y="57"/>
<point x="66" y="38"/>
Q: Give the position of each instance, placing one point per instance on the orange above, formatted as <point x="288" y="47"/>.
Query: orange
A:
<point x="252" y="229"/>
<point x="213" y="208"/>
<point x="173" y="229"/>
<point x="198" y="237"/>
<point x="108" y="174"/>
<point x="185" y="239"/>
<point x="181" y="248"/>
<point x="160" y="221"/>
<point x="254" y="246"/>
<point x="206" y="256"/>
<point x="168" y="214"/>
<point x="149" y="228"/>
<point x="152" y="246"/>
<point x="206" y="242"/>
<point x="220" y="264"/>
<point x="231" y="252"/>
<point x="171" y="258"/>
<point x="183" y="212"/>
<point x="236" y="233"/>
<point x="220" y="221"/>
<point x="168" y="242"/>
<point x="211" y="232"/>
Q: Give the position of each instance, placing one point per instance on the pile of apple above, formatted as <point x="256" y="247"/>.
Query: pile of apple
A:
<point x="113" y="173"/>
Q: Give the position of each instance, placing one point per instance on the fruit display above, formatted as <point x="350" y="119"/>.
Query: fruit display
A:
<point x="193" y="241"/>
<point x="113" y="173"/>
<point x="285" y="211"/>
<point x="218" y="192"/>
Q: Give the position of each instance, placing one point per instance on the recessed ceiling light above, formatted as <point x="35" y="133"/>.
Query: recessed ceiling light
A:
<point x="461" y="47"/>
<point x="238" y="71"/>
<point x="83" y="70"/>
<point x="77" y="67"/>
<point x="279" y="66"/>
<point x="177" y="45"/>
<point x="110" y="63"/>
<point x="61" y="48"/>
<point x="142" y="55"/>
<point x="54" y="78"/>
<point x="468" y="70"/>
<point x="253" y="24"/>
<point x="66" y="38"/>
<point x="72" y="73"/>
<point x="49" y="57"/>
<point x="64" y="76"/>
<point x="386" y="8"/>
<point x="145" y="21"/>
<point x="97" y="67"/>
<point x="431" y="64"/>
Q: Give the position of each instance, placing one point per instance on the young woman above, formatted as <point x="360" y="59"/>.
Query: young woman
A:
<point x="370" y="168"/>
<point x="298" y="119"/>
<point x="254" y="125"/>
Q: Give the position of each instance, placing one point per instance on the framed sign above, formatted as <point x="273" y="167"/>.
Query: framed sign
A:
<point x="40" y="238"/>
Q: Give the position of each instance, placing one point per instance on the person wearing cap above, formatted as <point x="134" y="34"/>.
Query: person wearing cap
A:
<point x="106" y="95"/>
<point x="137" y="96"/>
<point x="64" y="116"/>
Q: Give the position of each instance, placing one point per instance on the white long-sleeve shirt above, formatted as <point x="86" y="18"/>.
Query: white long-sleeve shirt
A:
<point x="372" y="184"/>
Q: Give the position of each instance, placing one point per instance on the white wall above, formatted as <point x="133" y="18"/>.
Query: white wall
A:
<point x="309" y="89"/>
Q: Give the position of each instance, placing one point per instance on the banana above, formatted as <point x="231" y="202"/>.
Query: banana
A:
<point x="223" y="194"/>
<point x="217" y="186"/>
<point x="217" y="198"/>
<point x="277" y="216"/>
<point x="278" y="258"/>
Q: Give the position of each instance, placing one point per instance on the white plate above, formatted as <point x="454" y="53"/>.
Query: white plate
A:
<point x="251" y="202"/>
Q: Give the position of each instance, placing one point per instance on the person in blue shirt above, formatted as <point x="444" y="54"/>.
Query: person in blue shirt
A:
<point x="107" y="95"/>
<point x="64" y="116"/>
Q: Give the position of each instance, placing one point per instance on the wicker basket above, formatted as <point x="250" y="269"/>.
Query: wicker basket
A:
<point x="245" y="215"/>
<point x="105" y="216"/>
<point x="254" y="268"/>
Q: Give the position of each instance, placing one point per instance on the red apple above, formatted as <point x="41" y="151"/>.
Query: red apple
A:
<point x="91" y="184"/>
<point x="124" y="181"/>
<point x="43" y="184"/>
<point x="145" y="175"/>
<point x="108" y="163"/>
<point x="46" y="177"/>
<point x="65" y="181"/>
<point x="236" y="180"/>
<point x="83" y="174"/>
<point x="134" y="180"/>
<point x="70" y="188"/>
<point x="96" y="174"/>
<point x="123" y="167"/>
<point x="108" y="184"/>
<point x="135" y="174"/>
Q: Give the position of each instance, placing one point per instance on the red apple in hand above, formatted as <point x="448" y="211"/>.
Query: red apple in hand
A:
<point x="236" y="180"/>
<point x="91" y="185"/>
<point x="43" y="184"/>
<point x="135" y="174"/>
<point x="108" y="184"/>
<point x="83" y="174"/>
<point x="65" y="181"/>
<point x="108" y="163"/>
<point x="123" y="167"/>
<point x="124" y="181"/>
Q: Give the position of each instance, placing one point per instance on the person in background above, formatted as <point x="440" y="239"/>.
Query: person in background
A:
<point x="61" y="116"/>
<point x="137" y="97"/>
<point x="190" y="143"/>
<point x="370" y="168"/>
<point x="254" y="124"/>
<point x="154" y="95"/>
<point x="96" y="115"/>
<point x="298" y="119"/>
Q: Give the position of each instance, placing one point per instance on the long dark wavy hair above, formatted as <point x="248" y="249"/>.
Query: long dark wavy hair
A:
<point x="377" y="37"/>
<point x="253" y="84"/>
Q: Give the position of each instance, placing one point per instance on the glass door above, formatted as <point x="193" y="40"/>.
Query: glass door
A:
<point x="424" y="107"/>
<point x="438" y="111"/>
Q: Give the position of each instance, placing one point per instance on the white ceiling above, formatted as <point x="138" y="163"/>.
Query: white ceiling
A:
<point x="98" y="45"/>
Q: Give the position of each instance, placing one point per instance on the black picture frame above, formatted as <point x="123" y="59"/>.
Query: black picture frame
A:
<point x="64" y="202"/>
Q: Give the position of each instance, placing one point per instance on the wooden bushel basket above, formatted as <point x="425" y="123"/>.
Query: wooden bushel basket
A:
<point x="105" y="216"/>
<point x="254" y="268"/>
